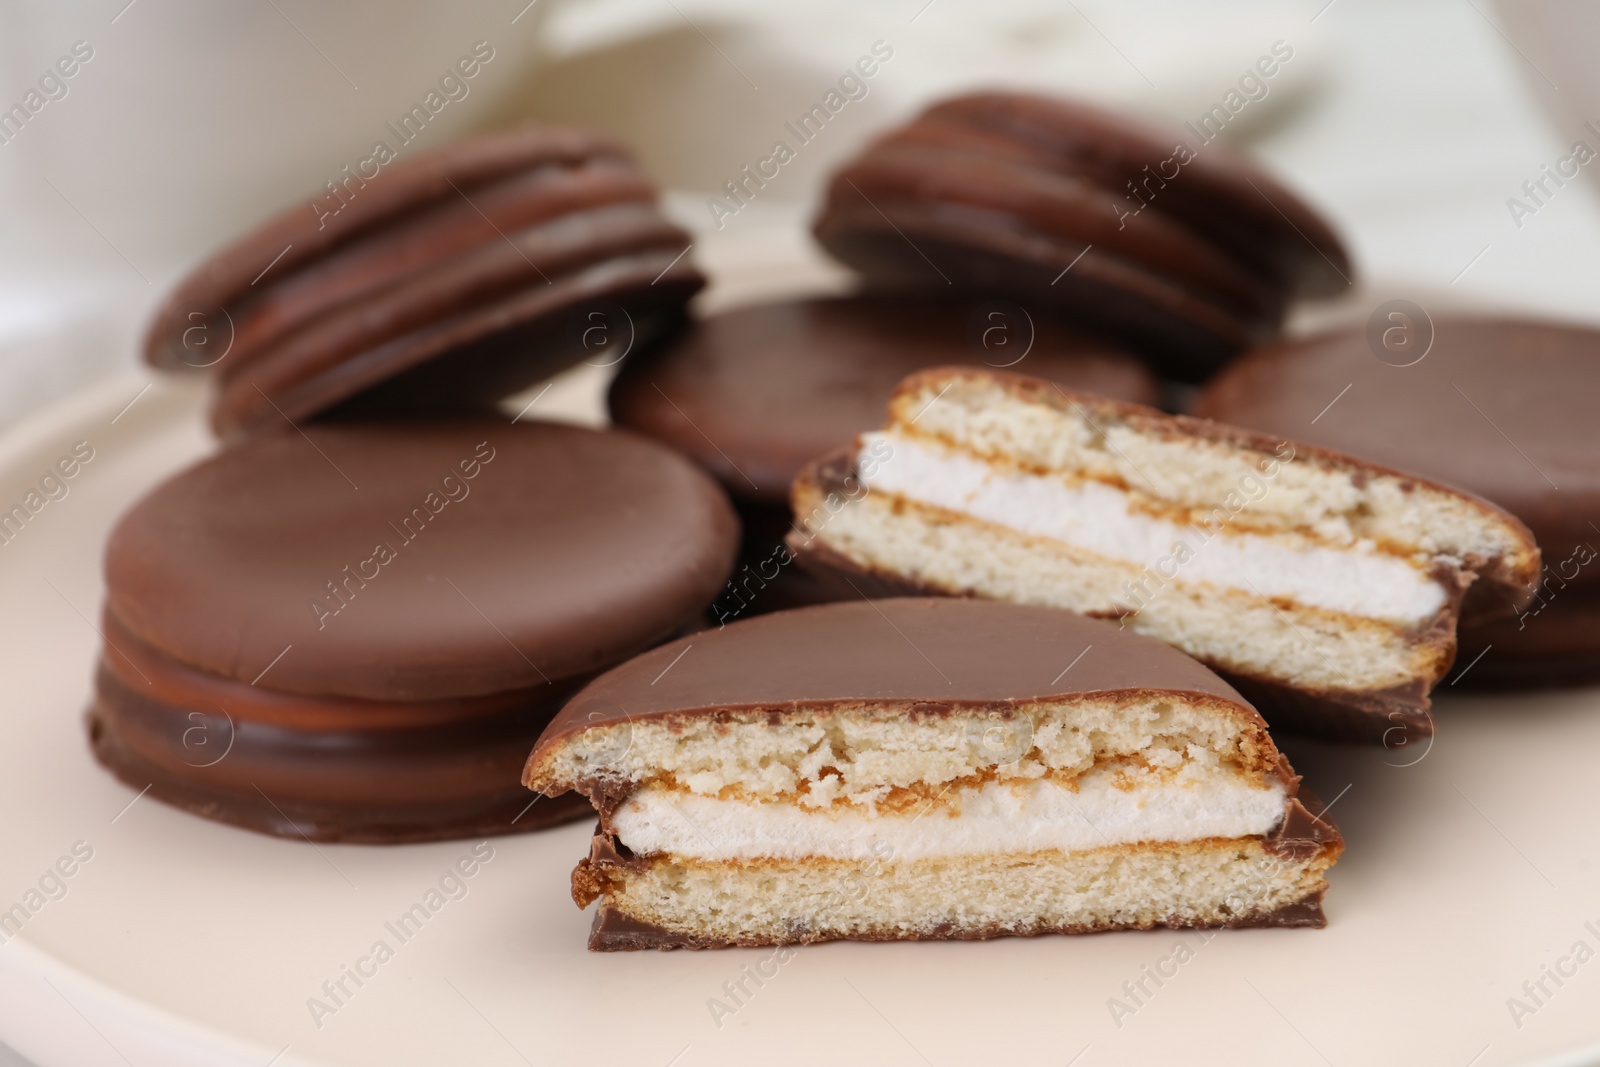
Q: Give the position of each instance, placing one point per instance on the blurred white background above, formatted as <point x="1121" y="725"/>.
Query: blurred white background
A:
<point x="1412" y="123"/>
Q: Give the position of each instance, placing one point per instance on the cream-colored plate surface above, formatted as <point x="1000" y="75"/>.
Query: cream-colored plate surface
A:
<point x="1471" y="869"/>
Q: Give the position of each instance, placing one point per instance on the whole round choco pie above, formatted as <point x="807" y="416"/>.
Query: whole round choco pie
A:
<point x="1187" y="251"/>
<point x="754" y="394"/>
<point x="1502" y="408"/>
<point x="441" y="285"/>
<point x="355" y="635"/>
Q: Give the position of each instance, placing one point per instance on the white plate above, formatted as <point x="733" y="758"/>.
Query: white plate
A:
<point x="1469" y="867"/>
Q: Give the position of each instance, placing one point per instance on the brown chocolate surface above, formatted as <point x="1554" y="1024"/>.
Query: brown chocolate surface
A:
<point x="1554" y="641"/>
<point x="440" y="285"/>
<point x="302" y="234"/>
<point x="1499" y="408"/>
<point x="419" y="563"/>
<point x="1175" y="244"/>
<point x="949" y="167"/>
<point x="474" y="330"/>
<point x="753" y="394"/>
<point x="942" y="653"/>
<point x="766" y="576"/>
<point x="1219" y="193"/>
<point x="327" y="768"/>
<point x="437" y="231"/>
<point x="1181" y="334"/>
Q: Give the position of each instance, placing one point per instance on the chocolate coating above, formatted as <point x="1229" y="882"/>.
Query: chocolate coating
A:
<point x="1554" y="641"/>
<point x="472" y="331"/>
<point x="1221" y="194"/>
<point x="1500" y="408"/>
<point x="562" y="551"/>
<point x="432" y="232"/>
<point x="1182" y="335"/>
<point x="1186" y="251"/>
<point x="765" y="576"/>
<point x="327" y="768"/>
<point x="439" y="286"/>
<point x="943" y="653"/>
<point x="301" y="234"/>
<point x="951" y="168"/>
<point x="753" y="394"/>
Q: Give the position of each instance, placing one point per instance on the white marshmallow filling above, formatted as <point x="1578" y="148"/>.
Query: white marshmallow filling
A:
<point x="1106" y="806"/>
<point x="1099" y="518"/>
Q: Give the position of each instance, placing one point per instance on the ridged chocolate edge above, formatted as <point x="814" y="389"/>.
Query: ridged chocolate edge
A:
<point x="330" y="823"/>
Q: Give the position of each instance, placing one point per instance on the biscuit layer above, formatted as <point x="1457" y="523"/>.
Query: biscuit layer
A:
<point x="676" y="902"/>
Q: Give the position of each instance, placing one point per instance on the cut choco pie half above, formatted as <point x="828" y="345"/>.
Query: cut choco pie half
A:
<point x="1325" y="587"/>
<point x="754" y="394"/>
<point x="926" y="768"/>
<point x="441" y="284"/>
<point x="1186" y="250"/>
<point x="357" y="637"/>
<point x="1500" y="407"/>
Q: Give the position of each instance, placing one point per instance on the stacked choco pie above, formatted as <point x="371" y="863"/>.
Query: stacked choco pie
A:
<point x="352" y="622"/>
<point x="1186" y="251"/>
<point x="443" y="284"/>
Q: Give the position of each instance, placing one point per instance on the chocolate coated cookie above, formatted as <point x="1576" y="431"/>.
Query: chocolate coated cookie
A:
<point x="1186" y="250"/>
<point x="357" y="633"/>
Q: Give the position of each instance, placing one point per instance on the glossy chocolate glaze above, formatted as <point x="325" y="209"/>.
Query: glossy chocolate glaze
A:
<point x="434" y="233"/>
<point x="753" y="394"/>
<point x="1219" y="193"/>
<point x="455" y="279"/>
<point x="1554" y="641"/>
<point x="1500" y="408"/>
<point x="476" y="329"/>
<point x="943" y="163"/>
<point x="300" y="235"/>
<point x="940" y="654"/>
<point x="1026" y="195"/>
<point x="1180" y="334"/>
<point x="325" y="768"/>
<point x="566" y="551"/>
